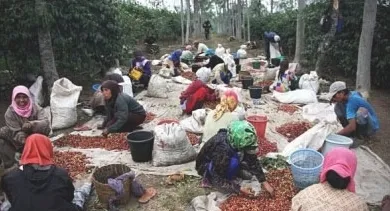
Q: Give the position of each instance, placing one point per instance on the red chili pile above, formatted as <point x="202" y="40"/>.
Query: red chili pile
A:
<point x="189" y="75"/>
<point x="74" y="162"/>
<point x="281" y="181"/>
<point x="292" y="130"/>
<point x="210" y="104"/>
<point x="194" y="139"/>
<point x="266" y="146"/>
<point x="115" y="141"/>
<point x="265" y="83"/>
<point x="287" y="108"/>
<point x="149" y="117"/>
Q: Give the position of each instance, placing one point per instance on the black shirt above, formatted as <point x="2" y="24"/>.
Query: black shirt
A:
<point x="39" y="190"/>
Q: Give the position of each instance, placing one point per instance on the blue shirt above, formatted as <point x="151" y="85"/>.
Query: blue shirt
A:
<point x="355" y="101"/>
<point x="270" y="36"/>
<point x="175" y="56"/>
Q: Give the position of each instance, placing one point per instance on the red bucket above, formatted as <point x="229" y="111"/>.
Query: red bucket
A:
<point x="260" y="124"/>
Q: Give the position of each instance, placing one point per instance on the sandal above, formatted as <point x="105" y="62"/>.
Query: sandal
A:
<point x="149" y="194"/>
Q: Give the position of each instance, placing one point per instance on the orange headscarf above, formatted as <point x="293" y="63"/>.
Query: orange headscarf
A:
<point x="229" y="102"/>
<point x="37" y="150"/>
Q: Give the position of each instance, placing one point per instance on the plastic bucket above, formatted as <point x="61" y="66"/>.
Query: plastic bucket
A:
<point x="141" y="145"/>
<point x="255" y="92"/>
<point x="260" y="124"/>
<point x="334" y="140"/>
<point x="306" y="165"/>
<point x="275" y="61"/>
<point x="256" y="64"/>
<point x="246" y="82"/>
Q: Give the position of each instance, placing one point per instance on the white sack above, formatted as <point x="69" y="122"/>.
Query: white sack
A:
<point x="127" y="86"/>
<point x="301" y="96"/>
<point x="309" y="82"/>
<point x="157" y="87"/>
<point x="63" y="103"/>
<point x="36" y="91"/>
<point x="195" y="122"/>
<point x="171" y="146"/>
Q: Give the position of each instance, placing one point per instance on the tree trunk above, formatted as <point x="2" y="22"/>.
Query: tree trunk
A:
<point x="182" y="21"/>
<point x="363" y="78"/>
<point x="323" y="47"/>
<point x="45" y="48"/>
<point x="238" y="20"/>
<point x="248" y="15"/>
<point x="196" y="19"/>
<point x="188" y="3"/>
<point x="272" y="6"/>
<point x="300" y="34"/>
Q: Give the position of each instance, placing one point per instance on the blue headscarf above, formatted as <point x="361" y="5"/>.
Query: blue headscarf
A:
<point x="175" y="56"/>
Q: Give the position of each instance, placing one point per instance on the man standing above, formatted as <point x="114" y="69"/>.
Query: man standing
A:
<point x="270" y="37"/>
<point x="207" y="27"/>
<point x="355" y="114"/>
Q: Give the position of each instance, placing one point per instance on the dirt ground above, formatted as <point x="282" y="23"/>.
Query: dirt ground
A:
<point x="178" y="196"/>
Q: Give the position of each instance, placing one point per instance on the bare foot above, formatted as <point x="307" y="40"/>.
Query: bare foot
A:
<point x="149" y="194"/>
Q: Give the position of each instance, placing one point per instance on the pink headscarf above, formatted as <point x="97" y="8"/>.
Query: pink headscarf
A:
<point x="27" y="110"/>
<point x="343" y="161"/>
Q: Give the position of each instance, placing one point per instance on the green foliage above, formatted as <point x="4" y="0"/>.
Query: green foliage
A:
<point x="342" y="55"/>
<point x="86" y="35"/>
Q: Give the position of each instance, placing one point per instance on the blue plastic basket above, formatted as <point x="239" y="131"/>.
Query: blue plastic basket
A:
<point x="306" y="165"/>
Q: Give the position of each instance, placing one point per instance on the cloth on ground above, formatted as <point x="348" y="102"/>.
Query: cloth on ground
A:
<point x="117" y="185"/>
<point x="209" y="202"/>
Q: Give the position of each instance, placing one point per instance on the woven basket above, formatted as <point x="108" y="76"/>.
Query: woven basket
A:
<point x="105" y="192"/>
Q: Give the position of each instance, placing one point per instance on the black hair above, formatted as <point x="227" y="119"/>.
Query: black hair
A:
<point x="113" y="77"/>
<point x="284" y="65"/>
<point x="336" y="181"/>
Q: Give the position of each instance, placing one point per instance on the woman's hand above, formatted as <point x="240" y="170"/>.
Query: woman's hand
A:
<point x="27" y="127"/>
<point x="247" y="191"/>
<point x="269" y="189"/>
<point x="105" y="133"/>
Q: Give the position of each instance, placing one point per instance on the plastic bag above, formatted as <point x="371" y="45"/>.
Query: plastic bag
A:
<point x="195" y="122"/>
<point x="302" y="96"/>
<point x="158" y="87"/>
<point x="36" y="91"/>
<point x="171" y="146"/>
<point x="309" y="82"/>
<point x="63" y="103"/>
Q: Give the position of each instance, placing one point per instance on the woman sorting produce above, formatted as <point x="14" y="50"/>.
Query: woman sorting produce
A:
<point x="197" y="92"/>
<point x="22" y="118"/>
<point x="231" y="154"/>
<point x="140" y="69"/>
<point x="221" y="116"/>
<point x="336" y="190"/>
<point x="124" y="114"/>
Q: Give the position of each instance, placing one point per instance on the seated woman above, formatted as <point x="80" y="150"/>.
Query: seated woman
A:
<point x="124" y="114"/>
<point x="336" y="190"/>
<point x="187" y="56"/>
<point x="201" y="47"/>
<point x="38" y="184"/>
<point x="22" y="118"/>
<point x="221" y="116"/>
<point x="230" y="154"/>
<point x="221" y="74"/>
<point x="197" y="92"/>
<point x="97" y="103"/>
<point x="143" y="66"/>
<point x="285" y="78"/>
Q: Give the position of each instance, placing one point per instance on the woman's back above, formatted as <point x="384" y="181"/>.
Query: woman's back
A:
<point x="213" y="126"/>
<point x="35" y="188"/>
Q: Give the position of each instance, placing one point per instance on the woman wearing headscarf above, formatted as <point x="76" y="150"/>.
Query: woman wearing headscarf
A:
<point x="173" y="62"/>
<point x="336" y="190"/>
<point x="219" y="70"/>
<point x="230" y="154"/>
<point x="197" y="92"/>
<point x="221" y="116"/>
<point x="187" y="56"/>
<point x="38" y="184"/>
<point x="22" y="118"/>
<point x="201" y="47"/>
<point x="143" y="66"/>
<point x="124" y="113"/>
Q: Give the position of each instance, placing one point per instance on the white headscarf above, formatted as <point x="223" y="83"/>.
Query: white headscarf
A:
<point x="203" y="74"/>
